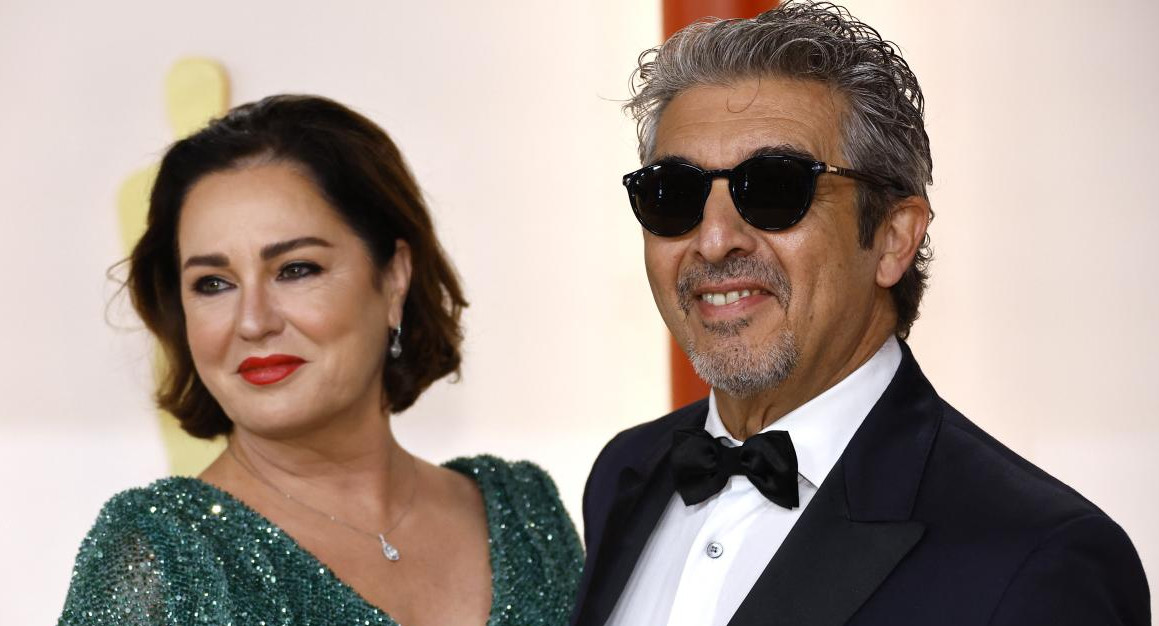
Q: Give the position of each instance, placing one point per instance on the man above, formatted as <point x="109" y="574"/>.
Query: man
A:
<point x="784" y="210"/>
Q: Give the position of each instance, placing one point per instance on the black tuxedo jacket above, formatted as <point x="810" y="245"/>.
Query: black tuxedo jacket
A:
<point x="925" y="519"/>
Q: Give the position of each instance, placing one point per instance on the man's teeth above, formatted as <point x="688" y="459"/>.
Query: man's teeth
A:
<point x="721" y="299"/>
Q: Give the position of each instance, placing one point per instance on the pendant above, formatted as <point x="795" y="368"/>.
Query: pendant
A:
<point x="388" y="550"/>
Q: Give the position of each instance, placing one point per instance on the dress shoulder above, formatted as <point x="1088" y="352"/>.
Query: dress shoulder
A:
<point x="182" y="551"/>
<point x="536" y="553"/>
<point x="521" y="479"/>
<point x="521" y="493"/>
<point x="118" y="577"/>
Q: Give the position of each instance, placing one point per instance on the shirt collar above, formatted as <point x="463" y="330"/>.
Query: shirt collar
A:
<point x="823" y="426"/>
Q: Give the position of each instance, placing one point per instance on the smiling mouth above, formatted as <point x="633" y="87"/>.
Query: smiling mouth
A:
<point x="729" y="297"/>
<point x="737" y="283"/>
<point x="269" y="370"/>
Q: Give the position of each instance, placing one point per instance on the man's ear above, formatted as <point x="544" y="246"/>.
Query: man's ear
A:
<point x="899" y="237"/>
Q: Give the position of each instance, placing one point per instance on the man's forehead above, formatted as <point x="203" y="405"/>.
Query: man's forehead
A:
<point x="720" y="125"/>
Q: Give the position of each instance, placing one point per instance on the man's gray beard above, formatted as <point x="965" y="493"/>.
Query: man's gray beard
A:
<point x="743" y="370"/>
<point x="734" y="366"/>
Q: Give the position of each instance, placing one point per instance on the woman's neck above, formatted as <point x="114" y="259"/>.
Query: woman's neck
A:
<point x="354" y="470"/>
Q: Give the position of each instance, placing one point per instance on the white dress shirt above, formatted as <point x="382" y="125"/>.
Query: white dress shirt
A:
<point x="701" y="560"/>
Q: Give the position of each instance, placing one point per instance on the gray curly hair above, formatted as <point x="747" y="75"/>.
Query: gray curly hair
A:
<point x="882" y="128"/>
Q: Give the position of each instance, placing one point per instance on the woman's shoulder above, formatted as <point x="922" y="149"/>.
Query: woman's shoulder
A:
<point x="174" y="499"/>
<point x="164" y="521"/>
<point x="536" y="551"/>
<point x="518" y="493"/>
<point x="158" y="491"/>
<point x="122" y="566"/>
<point x="519" y="479"/>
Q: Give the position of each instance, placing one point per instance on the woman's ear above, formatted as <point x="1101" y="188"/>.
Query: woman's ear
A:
<point x="396" y="280"/>
<point x="900" y="237"/>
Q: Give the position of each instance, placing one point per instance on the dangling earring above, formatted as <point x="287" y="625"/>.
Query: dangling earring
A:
<point x="396" y="342"/>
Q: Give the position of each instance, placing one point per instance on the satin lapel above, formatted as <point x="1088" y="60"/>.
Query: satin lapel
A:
<point x="643" y="493"/>
<point x="857" y="528"/>
<point x="828" y="565"/>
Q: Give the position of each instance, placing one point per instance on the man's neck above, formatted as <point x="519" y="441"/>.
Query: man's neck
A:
<point x="747" y="416"/>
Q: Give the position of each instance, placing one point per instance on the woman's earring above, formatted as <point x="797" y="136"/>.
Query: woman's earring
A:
<point x="396" y="342"/>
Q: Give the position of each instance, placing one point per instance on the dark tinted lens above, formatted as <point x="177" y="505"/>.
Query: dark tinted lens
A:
<point x="773" y="192"/>
<point x="667" y="197"/>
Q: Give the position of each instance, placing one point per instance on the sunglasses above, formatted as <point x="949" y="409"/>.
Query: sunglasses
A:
<point x="771" y="192"/>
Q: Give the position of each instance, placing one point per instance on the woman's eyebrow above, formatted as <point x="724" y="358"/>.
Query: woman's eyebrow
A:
<point x="274" y="250"/>
<point x="207" y="260"/>
<point x="268" y="252"/>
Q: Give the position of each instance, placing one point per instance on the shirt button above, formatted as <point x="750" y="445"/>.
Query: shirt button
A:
<point x="714" y="550"/>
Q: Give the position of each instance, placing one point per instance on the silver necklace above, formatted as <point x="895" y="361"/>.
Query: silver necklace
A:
<point x="388" y="550"/>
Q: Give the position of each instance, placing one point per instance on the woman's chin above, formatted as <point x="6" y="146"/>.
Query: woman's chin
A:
<point x="273" y="422"/>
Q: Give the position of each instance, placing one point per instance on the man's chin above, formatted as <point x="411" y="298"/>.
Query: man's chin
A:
<point x="726" y="329"/>
<point x="741" y="369"/>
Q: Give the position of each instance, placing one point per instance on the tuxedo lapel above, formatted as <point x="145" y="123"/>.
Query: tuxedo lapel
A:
<point x="857" y="527"/>
<point x="827" y="566"/>
<point x="643" y="492"/>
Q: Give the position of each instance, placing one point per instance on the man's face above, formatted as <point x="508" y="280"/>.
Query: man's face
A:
<point x="811" y="291"/>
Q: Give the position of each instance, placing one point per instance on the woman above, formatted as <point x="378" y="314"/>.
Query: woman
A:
<point x="291" y="273"/>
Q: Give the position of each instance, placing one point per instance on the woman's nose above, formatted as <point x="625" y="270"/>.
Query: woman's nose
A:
<point x="259" y="316"/>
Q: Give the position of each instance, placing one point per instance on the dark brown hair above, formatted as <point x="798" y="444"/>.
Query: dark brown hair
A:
<point x="360" y="171"/>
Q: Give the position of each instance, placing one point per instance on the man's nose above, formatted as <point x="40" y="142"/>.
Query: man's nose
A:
<point x="259" y="316"/>
<point x="723" y="232"/>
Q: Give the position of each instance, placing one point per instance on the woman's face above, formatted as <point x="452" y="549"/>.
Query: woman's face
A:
<point x="286" y="316"/>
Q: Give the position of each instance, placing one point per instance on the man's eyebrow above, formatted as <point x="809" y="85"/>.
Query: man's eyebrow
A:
<point x="783" y="149"/>
<point x="672" y="158"/>
<point x="274" y="250"/>
<point x="268" y="252"/>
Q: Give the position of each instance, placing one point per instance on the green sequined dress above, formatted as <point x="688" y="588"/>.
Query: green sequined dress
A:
<point x="181" y="551"/>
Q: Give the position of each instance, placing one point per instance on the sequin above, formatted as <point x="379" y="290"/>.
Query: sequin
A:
<point x="180" y="551"/>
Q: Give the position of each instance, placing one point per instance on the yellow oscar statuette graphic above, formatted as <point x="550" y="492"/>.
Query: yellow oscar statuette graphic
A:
<point x="196" y="91"/>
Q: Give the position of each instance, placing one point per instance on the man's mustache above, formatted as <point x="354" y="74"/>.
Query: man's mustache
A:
<point x="745" y="268"/>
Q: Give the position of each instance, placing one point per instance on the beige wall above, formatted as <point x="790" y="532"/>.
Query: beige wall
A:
<point x="1038" y="325"/>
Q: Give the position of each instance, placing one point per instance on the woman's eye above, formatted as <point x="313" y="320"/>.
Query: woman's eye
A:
<point x="210" y="285"/>
<point x="294" y="271"/>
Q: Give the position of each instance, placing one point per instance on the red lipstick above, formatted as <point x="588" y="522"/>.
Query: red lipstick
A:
<point x="267" y="370"/>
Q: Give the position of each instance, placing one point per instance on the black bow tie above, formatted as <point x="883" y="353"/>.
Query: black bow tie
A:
<point x="702" y="465"/>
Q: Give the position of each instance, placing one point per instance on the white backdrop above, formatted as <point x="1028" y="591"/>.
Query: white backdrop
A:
<point x="1039" y="324"/>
